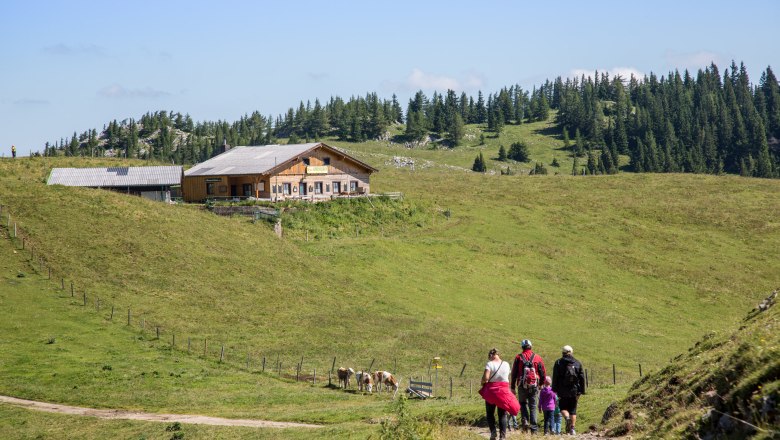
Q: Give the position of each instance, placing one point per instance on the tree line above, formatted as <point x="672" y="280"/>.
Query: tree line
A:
<point x="710" y="123"/>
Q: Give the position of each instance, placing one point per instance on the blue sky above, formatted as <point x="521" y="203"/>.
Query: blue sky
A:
<point x="74" y="65"/>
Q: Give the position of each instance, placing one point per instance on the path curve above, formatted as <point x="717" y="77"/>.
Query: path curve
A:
<point x="119" y="414"/>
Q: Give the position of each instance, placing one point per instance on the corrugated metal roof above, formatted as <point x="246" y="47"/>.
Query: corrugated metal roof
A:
<point x="248" y="160"/>
<point x="116" y="176"/>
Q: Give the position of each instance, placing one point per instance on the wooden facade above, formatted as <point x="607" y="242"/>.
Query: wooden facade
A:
<point x="321" y="172"/>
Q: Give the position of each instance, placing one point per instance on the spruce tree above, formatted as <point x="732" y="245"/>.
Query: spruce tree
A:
<point x="502" y="153"/>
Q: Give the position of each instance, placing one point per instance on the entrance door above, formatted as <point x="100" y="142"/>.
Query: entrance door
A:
<point x="302" y="189"/>
<point x="233" y="191"/>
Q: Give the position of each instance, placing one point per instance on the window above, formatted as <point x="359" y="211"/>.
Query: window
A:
<point x="353" y="186"/>
<point x="306" y="161"/>
<point x="336" y="187"/>
<point x="261" y="186"/>
<point x="286" y="189"/>
<point x="327" y="187"/>
<point x="326" y="161"/>
<point x="317" y="187"/>
<point x="210" y="188"/>
<point x="248" y="190"/>
<point x="273" y="189"/>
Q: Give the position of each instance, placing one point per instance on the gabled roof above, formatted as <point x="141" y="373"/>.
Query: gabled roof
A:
<point x="258" y="160"/>
<point x="122" y="177"/>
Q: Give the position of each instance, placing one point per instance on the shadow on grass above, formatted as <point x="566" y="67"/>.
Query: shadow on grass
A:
<point x="551" y="131"/>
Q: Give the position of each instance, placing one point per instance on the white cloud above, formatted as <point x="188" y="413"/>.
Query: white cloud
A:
<point x="692" y="60"/>
<point x="118" y="91"/>
<point x="624" y="72"/>
<point x="419" y="80"/>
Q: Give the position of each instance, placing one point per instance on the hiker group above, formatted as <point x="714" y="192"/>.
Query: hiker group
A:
<point x="526" y="389"/>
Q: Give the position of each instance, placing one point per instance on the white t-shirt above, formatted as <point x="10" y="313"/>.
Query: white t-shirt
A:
<point x="503" y="371"/>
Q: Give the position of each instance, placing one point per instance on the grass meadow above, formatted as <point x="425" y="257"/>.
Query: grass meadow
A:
<point x="628" y="269"/>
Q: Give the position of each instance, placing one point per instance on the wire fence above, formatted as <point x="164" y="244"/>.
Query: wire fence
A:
<point x="456" y="380"/>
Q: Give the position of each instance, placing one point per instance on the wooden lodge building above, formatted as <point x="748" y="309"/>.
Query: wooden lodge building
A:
<point x="313" y="171"/>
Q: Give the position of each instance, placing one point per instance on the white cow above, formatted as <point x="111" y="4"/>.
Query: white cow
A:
<point x="365" y="381"/>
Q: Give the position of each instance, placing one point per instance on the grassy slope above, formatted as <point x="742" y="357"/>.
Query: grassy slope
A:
<point x="736" y="373"/>
<point x="627" y="258"/>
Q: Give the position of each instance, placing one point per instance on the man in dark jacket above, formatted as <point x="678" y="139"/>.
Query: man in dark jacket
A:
<point x="526" y="381"/>
<point x="568" y="381"/>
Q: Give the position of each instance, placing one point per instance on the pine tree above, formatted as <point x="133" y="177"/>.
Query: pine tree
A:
<point x="502" y="153"/>
<point x="519" y="151"/>
<point x="575" y="167"/>
<point x="479" y="164"/>
<point x="456" y="129"/>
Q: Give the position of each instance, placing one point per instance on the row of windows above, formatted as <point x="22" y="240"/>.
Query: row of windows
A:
<point x="315" y="187"/>
<point x="285" y="188"/>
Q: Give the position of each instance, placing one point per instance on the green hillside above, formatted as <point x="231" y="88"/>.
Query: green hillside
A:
<point x="726" y="386"/>
<point x="629" y="269"/>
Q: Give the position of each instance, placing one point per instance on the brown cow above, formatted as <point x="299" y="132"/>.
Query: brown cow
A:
<point x="344" y="374"/>
<point x="386" y="378"/>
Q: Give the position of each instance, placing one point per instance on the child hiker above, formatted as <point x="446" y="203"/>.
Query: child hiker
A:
<point x="547" y="405"/>
<point x="557" y="417"/>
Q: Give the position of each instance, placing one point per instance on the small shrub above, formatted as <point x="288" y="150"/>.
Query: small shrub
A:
<point x="107" y="368"/>
<point x="51" y="340"/>
<point x="174" y="427"/>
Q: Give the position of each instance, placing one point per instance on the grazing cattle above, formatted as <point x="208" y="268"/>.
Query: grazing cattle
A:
<point x="360" y="377"/>
<point x="344" y="374"/>
<point x="386" y="378"/>
<point x="366" y="381"/>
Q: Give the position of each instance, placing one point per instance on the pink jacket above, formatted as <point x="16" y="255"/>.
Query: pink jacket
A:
<point x="546" y="399"/>
<point x="498" y="393"/>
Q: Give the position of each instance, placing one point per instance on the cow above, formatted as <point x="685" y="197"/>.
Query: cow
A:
<point x="365" y="381"/>
<point x="344" y="374"/>
<point x="386" y="378"/>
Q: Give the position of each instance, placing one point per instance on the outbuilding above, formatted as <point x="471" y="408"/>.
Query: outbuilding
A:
<point x="155" y="182"/>
<point x="313" y="171"/>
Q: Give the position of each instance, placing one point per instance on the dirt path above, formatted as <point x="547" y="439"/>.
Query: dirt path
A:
<point x="119" y="414"/>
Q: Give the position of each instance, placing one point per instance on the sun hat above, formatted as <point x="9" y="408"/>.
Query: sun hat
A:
<point x="567" y="349"/>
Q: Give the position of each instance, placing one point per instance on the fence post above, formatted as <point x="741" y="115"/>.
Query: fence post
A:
<point x="143" y="323"/>
<point x="222" y="354"/>
<point x="62" y="286"/>
<point x="587" y="384"/>
<point x="614" y="375"/>
<point x="314" y="378"/>
<point x="189" y="341"/>
<point x="49" y="273"/>
<point x="263" y="364"/>
<point x="14" y="227"/>
<point x="462" y="370"/>
<point x="450" y="387"/>
<point x="97" y="304"/>
<point x="205" y="347"/>
<point x="158" y="332"/>
<point x="471" y="390"/>
<point x="640" y="370"/>
<point x="247" y="360"/>
<point x="85" y="298"/>
<point x="112" y="313"/>
<point x="128" y="316"/>
<point x="71" y="289"/>
<point x="23" y="240"/>
<point x="173" y="340"/>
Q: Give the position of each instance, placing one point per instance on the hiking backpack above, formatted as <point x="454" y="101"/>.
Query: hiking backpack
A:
<point x="529" y="378"/>
<point x="570" y="376"/>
